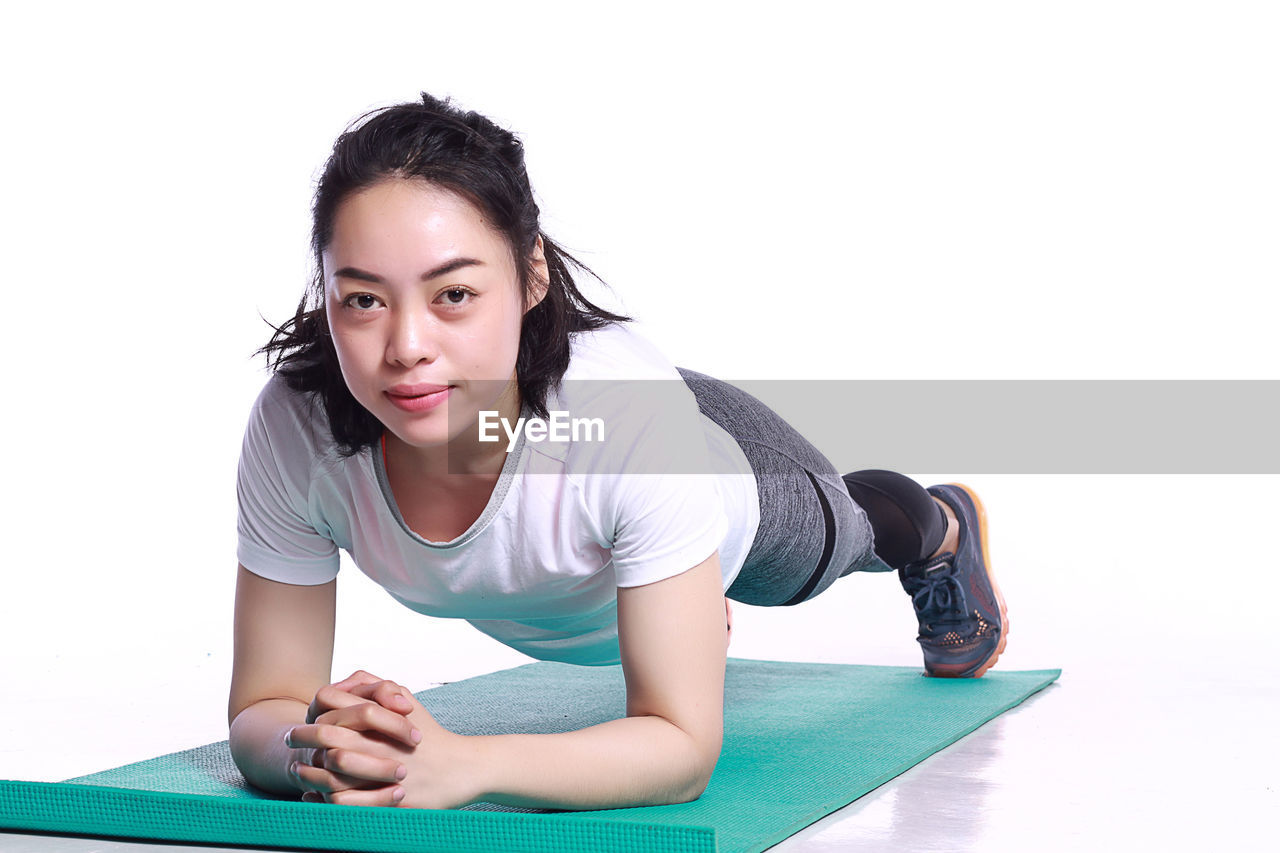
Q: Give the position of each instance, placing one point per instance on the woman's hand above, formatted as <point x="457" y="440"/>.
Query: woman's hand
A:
<point x="359" y="735"/>
<point x="361" y="684"/>
<point x="355" y="765"/>
<point x="445" y="770"/>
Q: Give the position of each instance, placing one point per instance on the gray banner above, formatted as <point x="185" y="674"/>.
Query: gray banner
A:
<point x="957" y="426"/>
<point x="1037" y="426"/>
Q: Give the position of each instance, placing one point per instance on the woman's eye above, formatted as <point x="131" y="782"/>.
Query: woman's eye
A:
<point x="456" y="295"/>
<point x="362" y="301"/>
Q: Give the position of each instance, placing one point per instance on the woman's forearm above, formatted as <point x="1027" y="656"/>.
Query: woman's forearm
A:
<point x="257" y="743"/>
<point x="635" y="761"/>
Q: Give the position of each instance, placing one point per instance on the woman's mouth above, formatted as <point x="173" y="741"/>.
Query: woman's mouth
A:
<point x="418" y="398"/>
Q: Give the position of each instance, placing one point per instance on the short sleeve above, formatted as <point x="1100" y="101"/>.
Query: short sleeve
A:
<point x="665" y="526"/>
<point x="659" y="498"/>
<point x="276" y="537"/>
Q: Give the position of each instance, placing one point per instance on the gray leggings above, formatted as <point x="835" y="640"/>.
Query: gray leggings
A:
<point x="811" y="531"/>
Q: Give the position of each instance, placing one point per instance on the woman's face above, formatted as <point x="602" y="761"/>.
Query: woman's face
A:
<point x="422" y="295"/>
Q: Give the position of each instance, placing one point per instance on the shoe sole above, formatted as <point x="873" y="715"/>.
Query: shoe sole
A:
<point x="991" y="578"/>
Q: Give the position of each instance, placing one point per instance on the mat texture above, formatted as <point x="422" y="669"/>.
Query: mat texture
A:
<point x="801" y="740"/>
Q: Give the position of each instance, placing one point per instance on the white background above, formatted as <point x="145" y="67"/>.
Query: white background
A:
<point x="800" y="190"/>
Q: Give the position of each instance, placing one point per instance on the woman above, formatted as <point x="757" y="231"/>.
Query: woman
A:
<point x="439" y="307"/>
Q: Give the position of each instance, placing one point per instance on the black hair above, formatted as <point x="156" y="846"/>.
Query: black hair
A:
<point x="466" y="153"/>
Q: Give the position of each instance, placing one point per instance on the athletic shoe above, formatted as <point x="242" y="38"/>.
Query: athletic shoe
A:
<point x="962" y="615"/>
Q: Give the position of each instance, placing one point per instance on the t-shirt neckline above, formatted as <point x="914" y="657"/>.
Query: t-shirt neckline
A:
<point x="491" y="508"/>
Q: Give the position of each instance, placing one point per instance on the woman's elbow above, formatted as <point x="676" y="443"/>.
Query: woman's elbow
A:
<point x="696" y="788"/>
<point x="704" y="764"/>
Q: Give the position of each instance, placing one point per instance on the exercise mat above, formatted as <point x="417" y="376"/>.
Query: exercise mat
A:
<point x="801" y="740"/>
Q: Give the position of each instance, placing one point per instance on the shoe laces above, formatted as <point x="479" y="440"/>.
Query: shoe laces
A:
<point x="935" y="590"/>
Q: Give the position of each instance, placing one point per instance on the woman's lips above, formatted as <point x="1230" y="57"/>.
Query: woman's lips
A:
<point x="422" y="398"/>
<point x="416" y="390"/>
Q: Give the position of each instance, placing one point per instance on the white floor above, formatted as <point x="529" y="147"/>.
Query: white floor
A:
<point x="1155" y="596"/>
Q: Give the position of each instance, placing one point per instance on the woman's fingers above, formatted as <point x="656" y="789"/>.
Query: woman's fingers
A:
<point x="325" y="697"/>
<point x="356" y="679"/>
<point x="338" y="769"/>
<point x="318" y="779"/>
<point x="372" y="717"/>
<point x="388" y="694"/>
<point x="342" y="728"/>
<point x="324" y="781"/>
<point x="361" y="765"/>
<point x="391" y="795"/>
<point x="319" y="788"/>
<point x="347" y="709"/>
<point x="322" y="784"/>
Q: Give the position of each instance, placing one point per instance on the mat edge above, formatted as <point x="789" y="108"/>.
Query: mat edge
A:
<point x="446" y="829"/>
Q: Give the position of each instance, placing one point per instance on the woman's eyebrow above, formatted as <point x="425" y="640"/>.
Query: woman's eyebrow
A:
<point x="444" y="269"/>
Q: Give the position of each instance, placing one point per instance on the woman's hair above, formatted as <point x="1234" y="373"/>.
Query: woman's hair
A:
<point x="466" y="153"/>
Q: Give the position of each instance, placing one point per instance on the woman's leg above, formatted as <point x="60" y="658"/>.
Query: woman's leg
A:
<point x="812" y="531"/>
<point x="815" y="528"/>
<point x="909" y="523"/>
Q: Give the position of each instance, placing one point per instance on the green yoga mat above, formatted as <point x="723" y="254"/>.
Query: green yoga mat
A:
<point x="801" y="740"/>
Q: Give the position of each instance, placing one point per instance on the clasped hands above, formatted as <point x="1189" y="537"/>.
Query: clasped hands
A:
<point x="374" y="744"/>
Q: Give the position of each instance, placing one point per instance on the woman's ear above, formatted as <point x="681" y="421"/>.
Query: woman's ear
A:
<point x="541" y="278"/>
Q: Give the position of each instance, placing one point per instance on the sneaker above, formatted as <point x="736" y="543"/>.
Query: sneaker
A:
<point x="963" y="620"/>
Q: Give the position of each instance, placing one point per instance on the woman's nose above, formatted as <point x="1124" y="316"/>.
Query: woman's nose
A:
<point x="412" y="339"/>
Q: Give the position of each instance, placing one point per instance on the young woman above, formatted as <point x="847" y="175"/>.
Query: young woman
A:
<point x="438" y="307"/>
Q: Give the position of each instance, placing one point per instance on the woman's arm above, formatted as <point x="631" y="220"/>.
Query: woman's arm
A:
<point x="672" y="639"/>
<point x="283" y="654"/>
<point x="280" y="682"/>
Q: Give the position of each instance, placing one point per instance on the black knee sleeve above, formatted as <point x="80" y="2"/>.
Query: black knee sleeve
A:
<point x="907" y="522"/>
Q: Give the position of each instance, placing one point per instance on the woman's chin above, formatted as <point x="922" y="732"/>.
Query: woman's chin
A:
<point x="435" y="429"/>
<point x="421" y="436"/>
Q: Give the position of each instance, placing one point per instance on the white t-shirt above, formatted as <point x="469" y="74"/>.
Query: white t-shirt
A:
<point x="539" y="569"/>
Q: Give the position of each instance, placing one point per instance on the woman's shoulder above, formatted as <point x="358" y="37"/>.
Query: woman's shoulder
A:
<point x="292" y="422"/>
<point x="278" y="400"/>
<point x="621" y="379"/>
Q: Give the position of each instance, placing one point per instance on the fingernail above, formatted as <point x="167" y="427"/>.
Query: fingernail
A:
<point x="287" y="735"/>
<point x="293" y="769"/>
<point x="416" y="735"/>
<point x="398" y="795"/>
<point x="312" y="797"/>
<point x="402" y="772"/>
